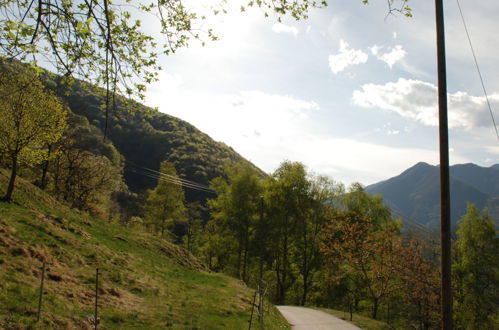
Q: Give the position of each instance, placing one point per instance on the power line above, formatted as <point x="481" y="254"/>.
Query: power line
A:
<point x="172" y="181"/>
<point x="198" y="185"/>
<point x="168" y="175"/>
<point x="169" y="178"/>
<point x="478" y="68"/>
<point x="411" y="222"/>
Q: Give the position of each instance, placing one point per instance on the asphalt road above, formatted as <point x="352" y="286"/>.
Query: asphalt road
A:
<point x="302" y="318"/>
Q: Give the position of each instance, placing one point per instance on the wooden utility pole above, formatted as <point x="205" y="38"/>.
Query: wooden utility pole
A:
<point x="445" y="234"/>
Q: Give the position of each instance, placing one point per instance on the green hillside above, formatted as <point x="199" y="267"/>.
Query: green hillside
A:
<point x="145" y="137"/>
<point x="146" y="282"/>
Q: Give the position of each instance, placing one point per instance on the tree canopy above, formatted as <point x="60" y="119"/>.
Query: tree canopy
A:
<point x="104" y="40"/>
<point x="31" y="118"/>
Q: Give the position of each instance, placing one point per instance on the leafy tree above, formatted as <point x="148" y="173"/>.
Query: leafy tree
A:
<point x="165" y="203"/>
<point x="31" y="119"/>
<point x="193" y="226"/>
<point x="322" y="193"/>
<point x="288" y="199"/>
<point x="476" y="271"/>
<point x="236" y="208"/>
<point x="359" y="201"/>
<point x="419" y="284"/>
<point x="365" y="251"/>
<point x="85" y="180"/>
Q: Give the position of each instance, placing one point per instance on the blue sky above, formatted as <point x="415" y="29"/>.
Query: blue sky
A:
<point x="349" y="92"/>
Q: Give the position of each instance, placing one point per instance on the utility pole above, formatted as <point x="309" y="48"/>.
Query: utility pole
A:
<point x="445" y="234"/>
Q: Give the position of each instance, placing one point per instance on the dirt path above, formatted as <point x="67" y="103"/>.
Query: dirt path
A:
<point x="302" y="318"/>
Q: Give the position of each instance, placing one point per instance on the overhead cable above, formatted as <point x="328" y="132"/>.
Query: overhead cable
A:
<point x="478" y="69"/>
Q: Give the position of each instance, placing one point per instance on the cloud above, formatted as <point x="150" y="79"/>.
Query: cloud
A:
<point x="283" y="28"/>
<point x="346" y="57"/>
<point x="417" y="100"/>
<point x="268" y="128"/>
<point x="375" y="49"/>
<point x="394" y="55"/>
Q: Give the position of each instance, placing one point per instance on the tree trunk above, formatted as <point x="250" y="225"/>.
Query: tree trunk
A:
<point x="12" y="180"/>
<point x="375" y="309"/>
<point x="305" y="289"/>
<point x="43" y="180"/>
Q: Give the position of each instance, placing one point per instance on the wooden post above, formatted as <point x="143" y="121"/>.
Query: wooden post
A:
<point x="252" y="308"/>
<point x="445" y="233"/>
<point x="96" y="315"/>
<point x="40" y="297"/>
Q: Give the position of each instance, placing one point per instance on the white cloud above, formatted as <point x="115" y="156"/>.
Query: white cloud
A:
<point x="283" y="28"/>
<point x="392" y="56"/>
<point x="417" y="100"/>
<point x="396" y="54"/>
<point x="375" y="49"/>
<point x="346" y="57"/>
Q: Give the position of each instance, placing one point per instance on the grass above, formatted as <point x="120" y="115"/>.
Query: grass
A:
<point x="359" y="320"/>
<point x="145" y="281"/>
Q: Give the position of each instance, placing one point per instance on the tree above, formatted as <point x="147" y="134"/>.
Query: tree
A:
<point x="419" y="282"/>
<point x="288" y="200"/>
<point x="236" y="208"/>
<point x="476" y="271"/>
<point x="323" y="192"/>
<point x="194" y="225"/>
<point x="85" y="180"/>
<point x="165" y="203"/>
<point x="365" y="251"/>
<point x="31" y="119"/>
<point x="359" y="201"/>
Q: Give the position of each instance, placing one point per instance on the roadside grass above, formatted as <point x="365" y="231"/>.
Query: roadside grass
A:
<point x="359" y="320"/>
<point x="145" y="281"/>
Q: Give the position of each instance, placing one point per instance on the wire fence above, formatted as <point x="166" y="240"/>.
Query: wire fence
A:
<point x="257" y="302"/>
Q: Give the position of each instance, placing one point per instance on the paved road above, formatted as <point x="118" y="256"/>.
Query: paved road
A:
<point x="302" y="318"/>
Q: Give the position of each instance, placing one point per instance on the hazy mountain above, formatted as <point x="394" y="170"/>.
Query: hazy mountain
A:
<point x="415" y="193"/>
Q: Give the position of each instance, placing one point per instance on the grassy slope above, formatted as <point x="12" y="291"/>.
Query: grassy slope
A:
<point x="146" y="282"/>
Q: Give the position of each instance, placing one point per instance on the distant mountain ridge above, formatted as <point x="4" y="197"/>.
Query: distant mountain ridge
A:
<point x="415" y="193"/>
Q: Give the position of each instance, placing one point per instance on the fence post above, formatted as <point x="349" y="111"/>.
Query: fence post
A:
<point x="38" y="316"/>
<point x="96" y="317"/>
<point x="252" y="308"/>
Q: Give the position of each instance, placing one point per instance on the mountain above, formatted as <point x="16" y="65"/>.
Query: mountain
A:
<point x="415" y="193"/>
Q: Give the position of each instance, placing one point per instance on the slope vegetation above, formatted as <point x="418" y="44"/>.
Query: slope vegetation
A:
<point x="146" y="137"/>
<point x="145" y="281"/>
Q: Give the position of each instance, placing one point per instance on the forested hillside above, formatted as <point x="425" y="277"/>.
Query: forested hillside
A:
<point x="146" y="137"/>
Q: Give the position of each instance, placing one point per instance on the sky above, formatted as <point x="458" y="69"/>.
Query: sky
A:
<point x="350" y="92"/>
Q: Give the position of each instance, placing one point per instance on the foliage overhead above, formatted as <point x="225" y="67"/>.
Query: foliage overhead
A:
<point x="104" y="41"/>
